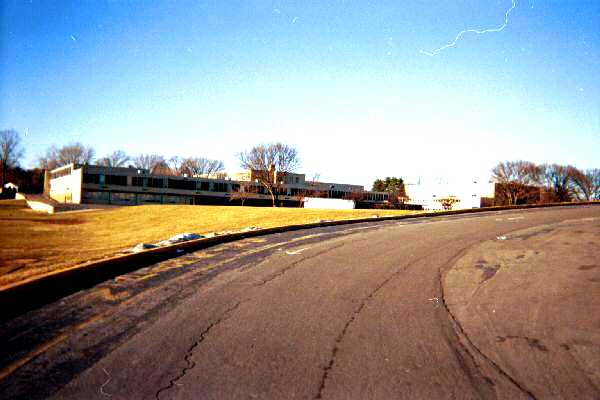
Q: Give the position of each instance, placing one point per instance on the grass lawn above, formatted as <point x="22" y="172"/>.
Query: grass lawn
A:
<point x="33" y="243"/>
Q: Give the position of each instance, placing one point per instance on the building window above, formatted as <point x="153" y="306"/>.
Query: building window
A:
<point x="149" y="198"/>
<point x="182" y="184"/>
<point x="91" y="178"/>
<point x="58" y="174"/>
<point x="137" y="181"/>
<point x="120" y="180"/>
<point x="204" y="186"/>
<point x="156" y="182"/>
<point x="219" y="187"/>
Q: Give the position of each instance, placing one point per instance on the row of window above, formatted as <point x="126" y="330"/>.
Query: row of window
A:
<point x="159" y="183"/>
<point x="62" y="172"/>
<point x="133" y="198"/>
<point x="223" y="187"/>
<point x="377" y="197"/>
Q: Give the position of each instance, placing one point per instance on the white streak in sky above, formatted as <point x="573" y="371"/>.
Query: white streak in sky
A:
<point x="73" y="38"/>
<point x="477" y="31"/>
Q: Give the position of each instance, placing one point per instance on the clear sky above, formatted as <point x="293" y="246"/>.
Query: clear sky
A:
<point x="343" y="81"/>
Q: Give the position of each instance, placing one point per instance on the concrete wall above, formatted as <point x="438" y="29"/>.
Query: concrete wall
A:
<point x="41" y="207"/>
<point x="332" y="204"/>
<point x="67" y="188"/>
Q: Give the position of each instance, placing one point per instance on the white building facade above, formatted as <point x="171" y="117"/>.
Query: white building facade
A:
<point x="467" y="194"/>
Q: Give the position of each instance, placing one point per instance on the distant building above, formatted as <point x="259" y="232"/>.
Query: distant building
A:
<point x="105" y="185"/>
<point x="471" y="194"/>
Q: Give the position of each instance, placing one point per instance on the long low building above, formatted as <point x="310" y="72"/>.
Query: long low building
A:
<point x="131" y="186"/>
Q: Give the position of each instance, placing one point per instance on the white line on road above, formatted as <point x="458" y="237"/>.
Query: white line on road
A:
<point x="293" y="253"/>
<point x="102" y="392"/>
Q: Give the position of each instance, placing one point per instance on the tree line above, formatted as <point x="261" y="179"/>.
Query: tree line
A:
<point x="31" y="180"/>
<point x="517" y="182"/>
<point x="269" y="163"/>
<point x="522" y="182"/>
<point x="155" y="163"/>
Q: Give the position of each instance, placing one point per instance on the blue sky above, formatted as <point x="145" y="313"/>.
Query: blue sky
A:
<point x="343" y="81"/>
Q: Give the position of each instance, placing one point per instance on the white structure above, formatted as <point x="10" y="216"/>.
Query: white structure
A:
<point x="66" y="184"/>
<point x="332" y="204"/>
<point x="468" y="194"/>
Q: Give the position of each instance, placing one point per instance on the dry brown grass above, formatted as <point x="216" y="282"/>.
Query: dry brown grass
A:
<point x="33" y="243"/>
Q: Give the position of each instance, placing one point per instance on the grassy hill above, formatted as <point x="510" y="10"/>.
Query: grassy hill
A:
<point x="33" y="243"/>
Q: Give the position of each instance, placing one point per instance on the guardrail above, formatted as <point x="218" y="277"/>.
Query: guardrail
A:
<point x="29" y="294"/>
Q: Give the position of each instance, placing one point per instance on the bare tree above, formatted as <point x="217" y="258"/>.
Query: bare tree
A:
<point x="10" y="151"/>
<point x="75" y="153"/>
<point x="49" y="160"/>
<point x="559" y="181"/>
<point x="116" y="159"/>
<point x="244" y="192"/>
<point x="269" y="163"/>
<point x="515" y="179"/>
<point x="163" y="168"/>
<point x="594" y="177"/>
<point x="152" y="162"/>
<point x="357" y="197"/>
<point x="314" y="180"/>
<point x="175" y="164"/>
<point x="586" y="184"/>
<point x="200" y="166"/>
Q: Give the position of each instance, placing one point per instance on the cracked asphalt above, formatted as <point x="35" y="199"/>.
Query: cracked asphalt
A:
<point x="446" y="307"/>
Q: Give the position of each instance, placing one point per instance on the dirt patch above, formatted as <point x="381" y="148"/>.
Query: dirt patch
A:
<point x="488" y="271"/>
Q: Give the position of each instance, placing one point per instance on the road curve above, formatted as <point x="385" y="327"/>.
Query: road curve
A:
<point x="330" y="313"/>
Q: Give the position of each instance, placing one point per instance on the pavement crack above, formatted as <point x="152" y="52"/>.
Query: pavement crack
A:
<point x="188" y="355"/>
<point x="349" y="322"/>
<point x="461" y="333"/>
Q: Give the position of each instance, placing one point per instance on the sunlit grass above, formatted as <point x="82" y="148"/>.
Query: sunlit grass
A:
<point x="33" y="243"/>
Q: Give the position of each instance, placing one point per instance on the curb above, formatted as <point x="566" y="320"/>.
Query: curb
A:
<point x="26" y="295"/>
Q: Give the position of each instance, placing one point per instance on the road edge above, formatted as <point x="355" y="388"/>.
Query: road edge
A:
<point x="29" y="294"/>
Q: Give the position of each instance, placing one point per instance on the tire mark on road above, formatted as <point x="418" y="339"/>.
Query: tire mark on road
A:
<point x="461" y="334"/>
<point x="355" y="314"/>
<point x="295" y="263"/>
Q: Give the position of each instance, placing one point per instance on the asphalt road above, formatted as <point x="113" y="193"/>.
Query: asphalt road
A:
<point x="491" y="305"/>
